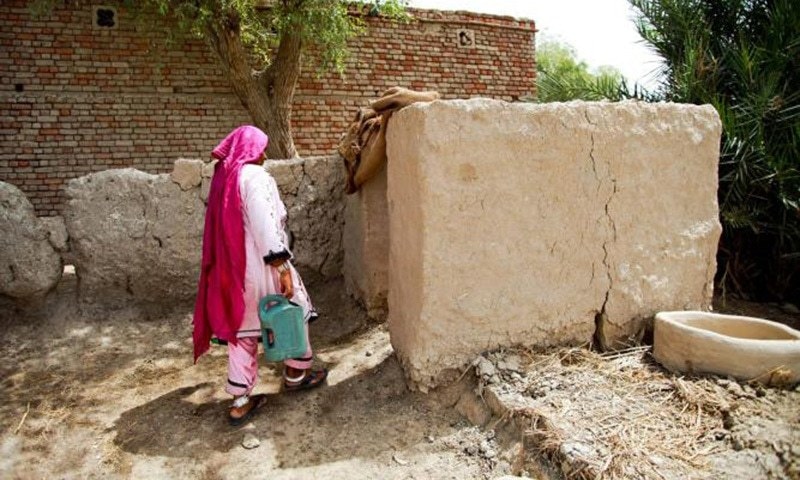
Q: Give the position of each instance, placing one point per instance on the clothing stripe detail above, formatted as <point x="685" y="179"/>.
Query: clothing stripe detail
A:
<point x="235" y="384"/>
<point x="282" y="255"/>
<point x="303" y="359"/>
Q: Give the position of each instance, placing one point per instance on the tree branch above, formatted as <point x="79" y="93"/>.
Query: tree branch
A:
<point x="283" y="73"/>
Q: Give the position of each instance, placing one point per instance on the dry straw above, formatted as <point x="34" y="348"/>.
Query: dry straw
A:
<point x="620" y="416"/>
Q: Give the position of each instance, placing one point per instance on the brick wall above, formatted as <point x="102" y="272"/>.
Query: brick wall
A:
<point x="76" y="99"/>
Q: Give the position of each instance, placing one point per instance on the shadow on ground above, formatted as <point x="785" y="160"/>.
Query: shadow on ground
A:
<point x="360" y="417"/>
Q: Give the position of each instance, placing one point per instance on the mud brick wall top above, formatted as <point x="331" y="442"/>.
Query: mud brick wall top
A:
<point x="77" y="98"/>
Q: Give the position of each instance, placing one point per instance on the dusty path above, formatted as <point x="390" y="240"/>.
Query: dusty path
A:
<point x="118" y="397"/>
<point x="86" y="395"/>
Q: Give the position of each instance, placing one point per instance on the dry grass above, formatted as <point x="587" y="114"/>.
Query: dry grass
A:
<point x="619" y="416"/>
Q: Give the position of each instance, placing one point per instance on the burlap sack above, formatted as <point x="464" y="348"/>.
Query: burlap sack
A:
<point x="396" y="98"/>
<point x="363" y="145"/>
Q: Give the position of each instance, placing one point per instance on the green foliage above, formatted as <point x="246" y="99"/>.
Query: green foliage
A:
<point x="561" y="77"/>
<point x="324" y="26"/>
<point x="742" y="57"/>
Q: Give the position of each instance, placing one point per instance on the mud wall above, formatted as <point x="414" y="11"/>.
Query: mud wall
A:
<point x="366" y="246"/>
<point x="136" y="238"/>
<point x="544" y="225"/>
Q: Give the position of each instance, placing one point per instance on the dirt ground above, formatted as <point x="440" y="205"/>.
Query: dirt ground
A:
<point x="118" y="397"/>
<point x="86" y="395"/>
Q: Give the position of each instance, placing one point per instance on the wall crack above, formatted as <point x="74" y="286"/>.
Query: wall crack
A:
<point x="602" y="317"/>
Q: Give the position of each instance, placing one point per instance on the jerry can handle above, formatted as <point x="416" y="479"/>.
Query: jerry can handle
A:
<point x="270" y="300"/>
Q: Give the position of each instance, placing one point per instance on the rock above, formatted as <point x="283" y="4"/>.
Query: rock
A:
<point x="485" y="369"/>
<point x="134" y="237"/>
<point x="576" y="451"/>
<point x="472" y="407"/>
<point x="487" y="450"/>
<point x="399" y="460"/>
<point x="735" y="389"/>
<point x="187" y="173"/>
<point x="514" y="223"/>
<point x="250" y="441"/>
<point x="29" y="264"/>
<point x="510" y="363"/>
<point x="56" y="232"/>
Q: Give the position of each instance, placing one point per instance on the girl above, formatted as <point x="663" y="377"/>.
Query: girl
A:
<point x="245" y="257"/>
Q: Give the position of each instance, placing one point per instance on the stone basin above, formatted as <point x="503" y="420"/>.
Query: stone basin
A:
<point x="746" y="348"/>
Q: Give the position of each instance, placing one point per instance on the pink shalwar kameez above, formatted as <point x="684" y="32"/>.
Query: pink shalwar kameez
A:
<point x="265" y="240"/>
<point x="244" y="233"/>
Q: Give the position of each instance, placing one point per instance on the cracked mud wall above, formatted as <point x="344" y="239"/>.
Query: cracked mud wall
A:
<point x="544" y="225"/>
<point x="661" y="174"/>
<point x="137" y="237"/>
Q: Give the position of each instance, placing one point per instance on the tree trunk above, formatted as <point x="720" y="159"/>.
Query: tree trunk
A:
<point x="266" y="96"/>
<point x="278" y="83"/>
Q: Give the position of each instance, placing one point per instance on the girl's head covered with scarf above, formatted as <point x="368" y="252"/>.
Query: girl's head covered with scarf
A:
<point x="220" y="303"/>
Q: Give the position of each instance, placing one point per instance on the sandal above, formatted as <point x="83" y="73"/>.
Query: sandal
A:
<point x="248" y="410"/>
<point x="312" y="379"/>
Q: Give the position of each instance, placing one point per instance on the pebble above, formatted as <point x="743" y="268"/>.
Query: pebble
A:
<point x="250" y="441"/>
<point x="368" y="353"/>
<point x="485" y="368"/>
<point x="510" y="363"/>
<point x="399" y="460"/>
<point x="735" y="389"/>
<point x="487" y="450"/>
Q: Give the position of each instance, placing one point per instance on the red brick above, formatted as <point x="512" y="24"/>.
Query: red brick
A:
<point x="96" y="99"/>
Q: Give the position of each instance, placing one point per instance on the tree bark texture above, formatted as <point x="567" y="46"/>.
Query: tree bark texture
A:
<point x="266" y="95"/>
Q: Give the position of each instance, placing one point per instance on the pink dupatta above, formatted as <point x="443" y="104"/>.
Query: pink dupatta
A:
<point x="219" y="307"/>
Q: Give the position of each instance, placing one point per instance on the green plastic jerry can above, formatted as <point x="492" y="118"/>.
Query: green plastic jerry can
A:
<point x="282" y="328"/>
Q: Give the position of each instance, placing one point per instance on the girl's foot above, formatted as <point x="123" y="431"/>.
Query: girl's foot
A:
<point x="243" y="408"/>
<point x="294" y="379"/>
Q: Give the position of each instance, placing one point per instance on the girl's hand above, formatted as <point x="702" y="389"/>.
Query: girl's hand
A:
<point x="287" y="287"/>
